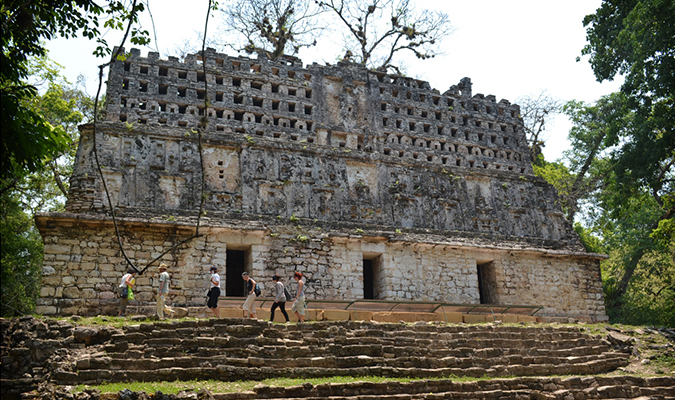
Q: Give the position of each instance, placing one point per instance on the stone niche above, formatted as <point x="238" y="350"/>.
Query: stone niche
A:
<point x="373" y="185"/>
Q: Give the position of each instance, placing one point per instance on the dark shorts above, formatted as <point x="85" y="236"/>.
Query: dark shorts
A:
<point x="214" y="293"/>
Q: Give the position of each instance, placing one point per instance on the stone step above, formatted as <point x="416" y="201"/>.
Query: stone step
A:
<point x="619" y="387"/>
<point x="137" y="361"/>
<point x="235" y="328"/>
<point x="228" y="369"/>
<point x="447" y="348"/>
<point x="262" y="347"/>
<point x="516" y="388"/>
<point x="169" y="337"/>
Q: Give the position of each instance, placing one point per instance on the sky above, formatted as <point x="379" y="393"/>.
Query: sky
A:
<point x="509" y="49"/>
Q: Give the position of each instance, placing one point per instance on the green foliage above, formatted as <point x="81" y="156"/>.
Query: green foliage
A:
<point x="639" y="277"/>
<point x="21" y="258"/>
<point x="28" y="138"/>
<point x="636" y="39"/>
<point x="591" y="243"/>
<point x="63" y="106"/>
<point x="631" y="220"/>
<point x="558" y="175"/>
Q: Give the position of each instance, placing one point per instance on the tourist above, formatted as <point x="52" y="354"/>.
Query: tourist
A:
<point x="126" y="291"/>
<point x="214" y="292"/>
<point x="163" y="291"/>
<point x="249" y="304"/>
<point x="279" y="299"/>
<point x="299" y="303"/>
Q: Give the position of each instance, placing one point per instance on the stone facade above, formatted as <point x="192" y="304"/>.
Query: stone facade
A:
<point x="373" y="185"/>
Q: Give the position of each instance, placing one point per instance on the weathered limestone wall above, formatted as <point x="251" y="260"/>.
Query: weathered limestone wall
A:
<point x="83" y="266"/>
<point x="264" y="177"/>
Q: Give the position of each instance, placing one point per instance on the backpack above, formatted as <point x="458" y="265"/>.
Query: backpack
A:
<point x="287" y="294"/>
<point x="257" y="290"/>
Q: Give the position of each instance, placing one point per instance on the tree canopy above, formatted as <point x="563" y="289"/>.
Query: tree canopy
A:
<point x="28" y="139"/>
<point x="637" y="40"/>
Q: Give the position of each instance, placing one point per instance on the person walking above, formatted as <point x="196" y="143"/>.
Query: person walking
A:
<point x="299" y="304"/>
<point x="126" y="292"/>
<point x="279" y="299"/>
<point x="249" y="304"/>
<point x="163" y="291"/>
<point x="214" y="291"/>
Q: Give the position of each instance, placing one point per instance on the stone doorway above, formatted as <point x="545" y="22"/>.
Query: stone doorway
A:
<point x="234" y="266"/>
<point x="486" y="282"/>
<point x="371" y="276"/>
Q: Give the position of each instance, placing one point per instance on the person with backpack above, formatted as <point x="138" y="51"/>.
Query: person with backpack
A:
<point x="249" y="304"/>
<point x="126" y="293"/>
<point x="280" y="299"/>
<point x="299" y="304"/>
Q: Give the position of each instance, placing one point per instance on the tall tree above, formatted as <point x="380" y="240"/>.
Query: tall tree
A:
<point x="271" y="27"/>
<point x="378" y="30"/>
<point x="61" y="105"/>
<point x="636" y="38"/>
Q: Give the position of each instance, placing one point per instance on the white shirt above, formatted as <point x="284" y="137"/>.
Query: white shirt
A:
<point x="215" y="277"/>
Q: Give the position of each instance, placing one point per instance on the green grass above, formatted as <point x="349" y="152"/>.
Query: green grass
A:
<point x="117" y="322"/>
<point x="241" y="386"/>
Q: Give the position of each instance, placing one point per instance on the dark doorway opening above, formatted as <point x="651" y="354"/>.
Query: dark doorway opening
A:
<point x="234" y="266"/>
<point x="368" y="292"/>
<point x="372" y="275"/>
<point x="486" y="283"/>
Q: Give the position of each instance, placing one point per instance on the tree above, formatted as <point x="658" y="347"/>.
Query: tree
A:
<point x="536" y="112"/>
<point x="272" y="27"/>
<point x="378" y="30"/>
<point x="65" y="106"/>
<point x="27" y="138"/>
<point x="594" y="131"/>
<point x="21" y="258"/>
<point x="639" y="275"/>
<point x="637" y="39"/>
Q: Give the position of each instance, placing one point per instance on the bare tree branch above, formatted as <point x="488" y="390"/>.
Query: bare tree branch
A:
<point x="536" y="112"/>
<point x="271" y="27"/>
<point x="381" y="29"/>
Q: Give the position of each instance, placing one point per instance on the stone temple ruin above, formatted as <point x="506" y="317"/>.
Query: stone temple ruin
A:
<point x="374" y="186"/>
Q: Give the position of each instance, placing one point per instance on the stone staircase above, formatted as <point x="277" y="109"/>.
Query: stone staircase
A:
<point x="233" y="349"/>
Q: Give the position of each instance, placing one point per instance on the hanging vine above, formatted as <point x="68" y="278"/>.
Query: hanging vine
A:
<point x="133" y="17"/>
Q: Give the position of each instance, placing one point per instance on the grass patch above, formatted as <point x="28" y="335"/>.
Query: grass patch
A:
<point x="241" y="386"/>
<point x="117" y="322"/>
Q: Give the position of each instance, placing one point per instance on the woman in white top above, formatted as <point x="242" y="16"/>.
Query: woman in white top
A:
<point x="214" y="291"/>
